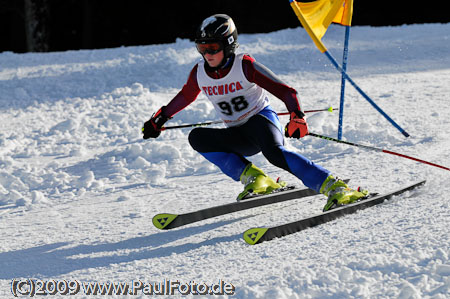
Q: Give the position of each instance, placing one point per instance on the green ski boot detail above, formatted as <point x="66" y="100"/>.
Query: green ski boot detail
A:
<point x="339" y="193"/>
<point x="257" y="182"/>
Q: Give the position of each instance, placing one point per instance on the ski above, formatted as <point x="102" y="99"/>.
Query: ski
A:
<point x="260" y="234"/>
<point x="168" y="221"/>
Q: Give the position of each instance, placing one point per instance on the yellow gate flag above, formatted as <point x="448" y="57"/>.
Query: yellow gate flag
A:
<point x="345" y="13"/>
<point x="316" y="16"/>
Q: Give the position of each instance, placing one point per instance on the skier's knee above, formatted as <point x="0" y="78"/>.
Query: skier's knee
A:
<point x="275" y="156"/>
<point x="194" y="139"/>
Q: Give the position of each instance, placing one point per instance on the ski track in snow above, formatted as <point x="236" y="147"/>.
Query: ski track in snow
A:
<point x="78" y="185"/>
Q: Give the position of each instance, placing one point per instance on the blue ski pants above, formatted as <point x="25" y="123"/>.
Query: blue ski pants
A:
<point x="228" y="147"/>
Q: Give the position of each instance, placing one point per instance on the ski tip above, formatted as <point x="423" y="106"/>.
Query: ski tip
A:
<point x="253" y="235"/>
<point x="161" y="221"/>
<point x="421" y="182"/>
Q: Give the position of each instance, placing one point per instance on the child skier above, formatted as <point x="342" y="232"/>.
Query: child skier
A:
<point x="236" y="85"/>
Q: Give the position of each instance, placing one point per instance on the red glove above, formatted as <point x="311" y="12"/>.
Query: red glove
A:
<point x="296" y="127"/>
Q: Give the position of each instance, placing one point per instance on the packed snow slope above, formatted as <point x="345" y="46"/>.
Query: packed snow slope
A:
<point x="79" y="186"/>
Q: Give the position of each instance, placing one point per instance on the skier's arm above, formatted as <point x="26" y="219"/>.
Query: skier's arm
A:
<point x="258" y="73"/>
<point x="261" y="75"/>
<point x="187" y="95"/>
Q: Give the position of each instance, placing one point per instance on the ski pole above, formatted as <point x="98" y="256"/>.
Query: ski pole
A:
<point x="208" y="123"/>
<point x="330" y="109"/>
<point x="377" y="149"/>
<point x="192" y="125"/>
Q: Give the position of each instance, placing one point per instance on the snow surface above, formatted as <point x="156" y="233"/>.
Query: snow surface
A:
<point x="78" y="185"/>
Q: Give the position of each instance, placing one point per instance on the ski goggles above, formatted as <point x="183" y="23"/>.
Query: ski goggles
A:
<point x="210" y="48"/>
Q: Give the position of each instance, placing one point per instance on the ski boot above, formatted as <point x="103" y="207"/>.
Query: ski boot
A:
<point x="339" y="193"/>
<point x="257" y="182"/>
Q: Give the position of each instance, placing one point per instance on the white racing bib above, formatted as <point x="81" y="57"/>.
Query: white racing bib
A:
<point x="233" y="96"/>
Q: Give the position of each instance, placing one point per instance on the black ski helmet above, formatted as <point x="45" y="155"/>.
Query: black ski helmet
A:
<point x="218" y="28"/>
